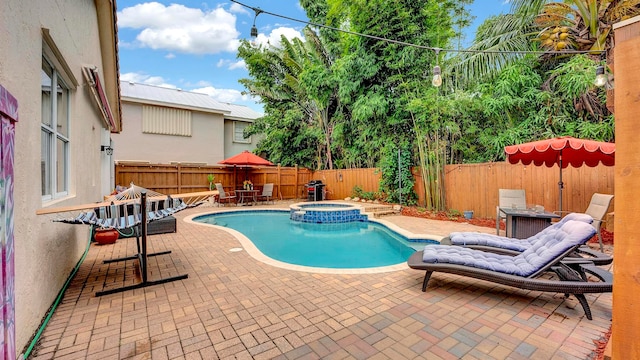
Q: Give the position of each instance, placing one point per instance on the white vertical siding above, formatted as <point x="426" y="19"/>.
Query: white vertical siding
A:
<point x="166" y="121"/>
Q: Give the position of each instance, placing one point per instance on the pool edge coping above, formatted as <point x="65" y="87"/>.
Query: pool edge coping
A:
<point x="255" y="253"/>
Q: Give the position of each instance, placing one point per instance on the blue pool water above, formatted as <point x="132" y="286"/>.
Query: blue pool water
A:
<point x="339" y="246"/>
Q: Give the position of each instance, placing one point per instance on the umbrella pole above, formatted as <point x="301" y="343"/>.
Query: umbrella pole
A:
<point x="560" y="183"/>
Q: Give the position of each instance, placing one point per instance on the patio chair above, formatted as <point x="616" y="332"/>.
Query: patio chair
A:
<point x="509" y="198"/>
<point x="224" y="196"/>
<point x="597" y="209"/>
<point x="509" y="246"/>
<point x="267" y="193"/>
<point x="524" y="270"/>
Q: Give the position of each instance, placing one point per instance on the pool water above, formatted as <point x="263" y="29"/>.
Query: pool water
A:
<point x="339" y="246"/>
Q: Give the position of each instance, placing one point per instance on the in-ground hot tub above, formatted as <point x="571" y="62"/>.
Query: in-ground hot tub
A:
<point x="326" y="212"/>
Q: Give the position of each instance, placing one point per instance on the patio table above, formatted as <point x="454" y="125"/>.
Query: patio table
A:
<point x="247" y="197"/>
<point x="523" y="223"/>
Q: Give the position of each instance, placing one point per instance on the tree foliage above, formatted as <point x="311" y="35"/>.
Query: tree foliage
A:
<point x="340" y="100"/>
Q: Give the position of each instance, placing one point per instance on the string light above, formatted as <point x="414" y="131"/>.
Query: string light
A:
<point x="437" y="76"/>
<point x="254" y="29"/>
<point x="553" y="52"/>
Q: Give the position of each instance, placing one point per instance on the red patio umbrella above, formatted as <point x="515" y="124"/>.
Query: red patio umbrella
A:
<point x="246" y="159"/>
<point x="563" y="151"/>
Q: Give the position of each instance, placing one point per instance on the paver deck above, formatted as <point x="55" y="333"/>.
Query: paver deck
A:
<point x="234" y="306"/>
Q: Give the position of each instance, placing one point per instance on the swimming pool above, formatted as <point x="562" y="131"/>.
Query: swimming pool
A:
<point x="353" y="245"/>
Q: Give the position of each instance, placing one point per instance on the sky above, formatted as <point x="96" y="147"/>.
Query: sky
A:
<point x="192" y="45"/>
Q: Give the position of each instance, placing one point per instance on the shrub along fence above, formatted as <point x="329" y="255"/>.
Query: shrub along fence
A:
<point x="467" y="186"/>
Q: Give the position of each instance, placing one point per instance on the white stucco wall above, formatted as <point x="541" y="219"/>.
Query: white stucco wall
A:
<point x="205" y="145"/>
<point x="231" y="147"/>
<point x="46" y="252"/>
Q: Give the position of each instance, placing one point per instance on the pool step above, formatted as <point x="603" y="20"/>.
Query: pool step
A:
<point x="382" y="210"/>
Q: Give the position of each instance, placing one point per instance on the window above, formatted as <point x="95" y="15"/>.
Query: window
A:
<point x="166" y="121"/>
<point x="238" y="132"/>
<point x="54" y="165"/>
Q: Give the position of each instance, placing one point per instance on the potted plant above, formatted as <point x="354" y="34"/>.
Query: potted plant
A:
<point x="211" y="178"/>
<point x="247" y="185"/>
<point x="105" y="235"/>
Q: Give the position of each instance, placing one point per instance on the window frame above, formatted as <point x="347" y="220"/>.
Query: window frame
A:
<point x="242" y="140"/>
<point x="55" y="146"/>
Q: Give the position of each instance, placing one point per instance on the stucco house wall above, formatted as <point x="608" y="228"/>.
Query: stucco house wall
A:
<point x="46" y="252"/>
<point x="209" y="142"/>
<point x="231" y="147"/>
<point x="204" y="146"/>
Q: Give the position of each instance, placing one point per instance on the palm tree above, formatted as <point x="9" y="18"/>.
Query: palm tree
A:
<point x="582" y="24"/>
<point x="299" y="73"/>
<point x="542" y="24"/>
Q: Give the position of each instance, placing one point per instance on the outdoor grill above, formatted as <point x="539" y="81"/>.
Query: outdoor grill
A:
<point x="315" y="190"/>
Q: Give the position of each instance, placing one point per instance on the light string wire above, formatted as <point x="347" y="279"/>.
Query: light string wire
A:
<point x="259" y="11"/>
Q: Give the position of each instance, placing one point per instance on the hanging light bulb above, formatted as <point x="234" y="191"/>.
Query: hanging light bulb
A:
<point x="254" y="30"/>
<point x="437" y="78"/>
<point x="254" y="37"/>
<point x="601" y="77"/>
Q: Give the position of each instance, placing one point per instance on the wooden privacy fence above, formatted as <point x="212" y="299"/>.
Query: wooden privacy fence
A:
<point x="475" y="186"/>
<point x="467" y="186"/>
<point x="289" y="182"/>
<point x="340" y="183"/>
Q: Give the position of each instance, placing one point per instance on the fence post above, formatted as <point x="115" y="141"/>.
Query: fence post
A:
<point x="179" y="179"/>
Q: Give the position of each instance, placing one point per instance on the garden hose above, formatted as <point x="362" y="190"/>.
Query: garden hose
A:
<point x="53" y="307"/>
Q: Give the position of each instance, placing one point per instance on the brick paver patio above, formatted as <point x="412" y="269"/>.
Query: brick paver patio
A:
<point x="233" y="306"/>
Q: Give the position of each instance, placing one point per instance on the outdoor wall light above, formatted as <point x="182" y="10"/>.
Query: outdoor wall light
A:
<point x="437" y="77"/>
<point x="601" y="77"/>
<point x="107" y="149"/>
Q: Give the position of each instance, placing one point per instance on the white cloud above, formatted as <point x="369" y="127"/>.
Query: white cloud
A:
<point x="145" y="79"/>
<point x="200" y="83"/>
<point x="181" y="29"/>
<point x="239" y="9"/>
<point x="274" y="37"/>
<point x="223" y="95"/>
<point x="241" y="64"/>
<point x="170" y="56"/>
<point x="231" y="65"/>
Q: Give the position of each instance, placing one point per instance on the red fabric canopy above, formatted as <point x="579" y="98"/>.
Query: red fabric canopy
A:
<point x="246" y="158"/>
<point x="566" y="150"/>
<point x="563" y="151"/>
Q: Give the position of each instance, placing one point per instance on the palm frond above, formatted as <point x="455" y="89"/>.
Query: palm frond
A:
<point x="498" y="46"/>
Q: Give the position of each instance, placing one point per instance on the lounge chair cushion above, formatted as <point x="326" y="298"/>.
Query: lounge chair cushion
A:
<point x="555" y="242"/>
<point x="519" y="245"/>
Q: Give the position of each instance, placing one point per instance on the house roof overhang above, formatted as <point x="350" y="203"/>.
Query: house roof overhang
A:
<point x="108" y="32"/>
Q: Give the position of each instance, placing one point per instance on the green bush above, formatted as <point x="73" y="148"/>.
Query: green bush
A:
<point x="366" y="195"/>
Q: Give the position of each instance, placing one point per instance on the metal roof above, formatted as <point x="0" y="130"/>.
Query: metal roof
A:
<point x="135" y="92"/>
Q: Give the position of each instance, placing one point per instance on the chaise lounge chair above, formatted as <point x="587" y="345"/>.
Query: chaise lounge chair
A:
<point x="508" y="246"/>
<point x="597" y="209"/>
<point x="524" y="270"/>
